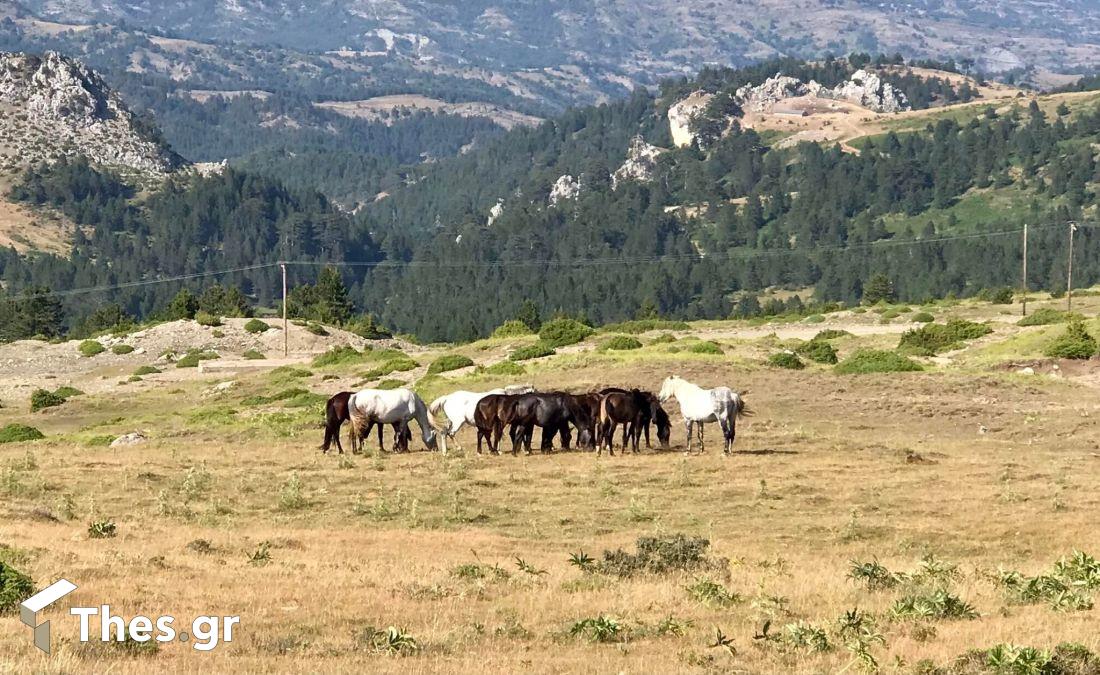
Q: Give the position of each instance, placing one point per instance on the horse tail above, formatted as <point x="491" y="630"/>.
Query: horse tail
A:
<point x="359" y="420"/>
<point x="437" y="404"/>
<point x="742" y="409"/>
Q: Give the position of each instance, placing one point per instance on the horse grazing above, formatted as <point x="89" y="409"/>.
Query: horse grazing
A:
<point x="336" y="413"/>
<point x="628" y="408"/>
<point x="649" y="412"/>
<point x="553" y="412"/>
<point x="391" y="406"/>
<point x="461" y="406"/>
<point x="699" y="406"/>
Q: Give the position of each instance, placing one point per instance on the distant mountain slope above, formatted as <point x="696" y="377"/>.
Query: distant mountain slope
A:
<point x="630" y="40"/>
<point x="53" y="106"/>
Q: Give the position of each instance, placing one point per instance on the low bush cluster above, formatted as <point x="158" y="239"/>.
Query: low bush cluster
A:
<point x="645" y="325"/>
<point x="1074" y="343"/>
<point x="562" y="332"/>
<point x="818" y="351"/>
<point x="449" y="362"/>
<point x="786" y="360"/>
<point x="866" y="361"/>
<point x="621" y="343"/>
<point x="90" y="348"/>
<point x="19" y="433"/>
<point x="661" y="555"/>
<point x="535" y="351"/>
<point x="513" y="328"/>
<point x="933" y="338"/>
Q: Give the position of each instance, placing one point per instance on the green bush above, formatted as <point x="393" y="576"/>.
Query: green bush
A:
<point x="998" y="296"/>
<point x="449" y="362"/>
<point x="365" y="327"/>
<point x="644" y="326"/>
<point x="390" y="384"/>
<point x="253" y="355"/>
<point x="562" y="332"/>
<point x="316" y="329"/>
<point x="786" y="360"/>
<point x="933" y="338"/>
<point x="146" y="370"/>
<point x="876" y="361"/>
<point x="42" y="399"/>
<point x="502" y="368"/>
<point x="256" y="326"/>
<point x="339" y="356"/>
<point x="68" y="392"/>
<point x="207" y="319"/>
<point x="1047" y="316"/>
<point x="15" y="587"/>
<point x="513" y="328"/>
<point x="814" y="318"/>
<point x="217" y="334"/>
<point x="923" y="317"/>
<point x="830" y="334"/>
<point x="818" y="351"/>
<point x="17" y="433"/>
<point x="192" y="359"/>
<point x="535" y="351"/>
<point x="90" y="348"/>
<point x="663" y="339"/>
<point x="1074" y="343"/>
<point x="122" y="349"/>
<point x="705" y="347"/>
<point x="621" y="343"/>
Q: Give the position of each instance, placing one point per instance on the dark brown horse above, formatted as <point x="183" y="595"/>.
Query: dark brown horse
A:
<point x="554" y="412"/>
<point x="336" y="413"/>
<point x="635" y="410"/>
<point x="488" y="418"/>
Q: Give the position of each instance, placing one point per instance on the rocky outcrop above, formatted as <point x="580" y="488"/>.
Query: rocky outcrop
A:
<point x="565" y="187"/>
<point x="55" y="106"/>
<point x="776" y="88"/>
<point x="496" y="212"/>
<point x="867" y="89"/>
<point x="681" y="113"/>
<point x="640" y="163"/>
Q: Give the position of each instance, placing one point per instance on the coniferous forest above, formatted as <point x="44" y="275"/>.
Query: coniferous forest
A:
<point x="761" y="216"/>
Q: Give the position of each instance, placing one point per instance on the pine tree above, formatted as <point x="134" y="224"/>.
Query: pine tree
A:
<point x="183" y="306"/>
<point x="334" y="307"/>
<point x="878" y="288"/>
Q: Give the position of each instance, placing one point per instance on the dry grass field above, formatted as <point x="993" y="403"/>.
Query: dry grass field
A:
<point x="230" y="509"/>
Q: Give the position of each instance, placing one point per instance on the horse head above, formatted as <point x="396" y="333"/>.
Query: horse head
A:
<point x="668" y="388"/>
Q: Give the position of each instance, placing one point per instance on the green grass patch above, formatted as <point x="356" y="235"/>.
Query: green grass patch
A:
<point x="449" y="362"/>
<point x="535" y="351"/>
<point x="253" y="355"/>
<point x="706" y="347"/>
<point x="19" y="433"/>
<point x="122" y="349"/>
<point x="923" y="317"/>
<point x="142" y="371"/>
<point x="644" y="326"/>
<point x="620" y="343"/>
<point x="340" y="356"/>
<point x="506" y="368"/>
<point x="1047" y="316"/>
<point x="390" y="384"/>
<point x="192" y="359"/>
<point x="866" y="361"/>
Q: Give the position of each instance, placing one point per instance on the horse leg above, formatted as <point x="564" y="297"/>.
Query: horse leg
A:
<point x="702" y="443"/>
<point x="687" y="423"/>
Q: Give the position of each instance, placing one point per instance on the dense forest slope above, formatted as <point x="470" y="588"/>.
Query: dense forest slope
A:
<point x="598" y="212"/>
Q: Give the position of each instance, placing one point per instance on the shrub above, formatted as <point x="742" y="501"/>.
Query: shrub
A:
<point x="786" y="360"/>
<point x="923" y="317"/>
<point x="621" y="343"/>
<point x="661" y="555"/>
<point x="876" y="361"/>
<point x="316" y="329"/>
<point x="253" y="355"/>
<point x="390" y="384"/>
<point x="42" y="399"/>
<point x="937" y="604"/>
<point x="513" y="328"/>
<point x="146" y="370"/>
<point x="207" y="319"/>
<point x="712" y="593"/>
<point x="814" y="318"/>
<point x="645" y="325"/>
<point x="68" y="392"/>
<point x="18" y="433"/>
<point x="502" y="368"/>
<point x="998" y="296"/>
<point x="663" y="339"/>
<point x="830" y="334"/>
<point x="818" y="351"/>
<point x="936" y="337"/>
<point x="338" y="356"/>
<point x="1074" y="343"/>
<point x="192" y="359"/>
<point x="449" y="362"/>
<point x="217" y="334"/>
<point x="705" y="347"/>
<point x="535" y="351"/>
<point x="1046" y="316"/>
<point x="562" y="332"/>
<point x="102" y="529"/>
<point x="365" y="327"/>
<point x="90" y="348"/>
<point x="598" y="629"/>
<point x="256" y="326"/>
<point x="15" y="587"/>
<point x="122" y="349"/>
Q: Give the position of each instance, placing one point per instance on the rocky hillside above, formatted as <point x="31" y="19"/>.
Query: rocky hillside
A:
<point x="53" y="106"/>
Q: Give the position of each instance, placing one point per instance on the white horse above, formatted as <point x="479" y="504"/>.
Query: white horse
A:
<point x="699" y="406"/>
<point x="391" y="406"/>
<point x="460" y="406"/>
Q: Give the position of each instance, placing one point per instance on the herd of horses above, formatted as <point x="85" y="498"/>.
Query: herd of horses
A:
<point x="594" y="416"/>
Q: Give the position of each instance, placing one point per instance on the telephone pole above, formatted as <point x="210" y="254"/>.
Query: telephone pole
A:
<point x="286" y="328"/>
<point x="1024" y="280"/>
<point x="1069" y="269"/>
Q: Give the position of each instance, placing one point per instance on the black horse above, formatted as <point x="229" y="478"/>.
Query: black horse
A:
<point x="336" y="413"/>
<point x="554" y="412"/>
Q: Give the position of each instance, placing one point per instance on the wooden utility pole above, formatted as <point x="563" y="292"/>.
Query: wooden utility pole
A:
<point x="1069" y="269"/>
<point x="1024" y="280"/>
<point x="286" y="328"/>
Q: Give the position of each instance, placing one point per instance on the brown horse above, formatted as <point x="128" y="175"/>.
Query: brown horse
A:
<point x="336" y="413"/>
<point x="635" y="410"/>
<point x="554" y="412"/>
<point x="489" y="419"/>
